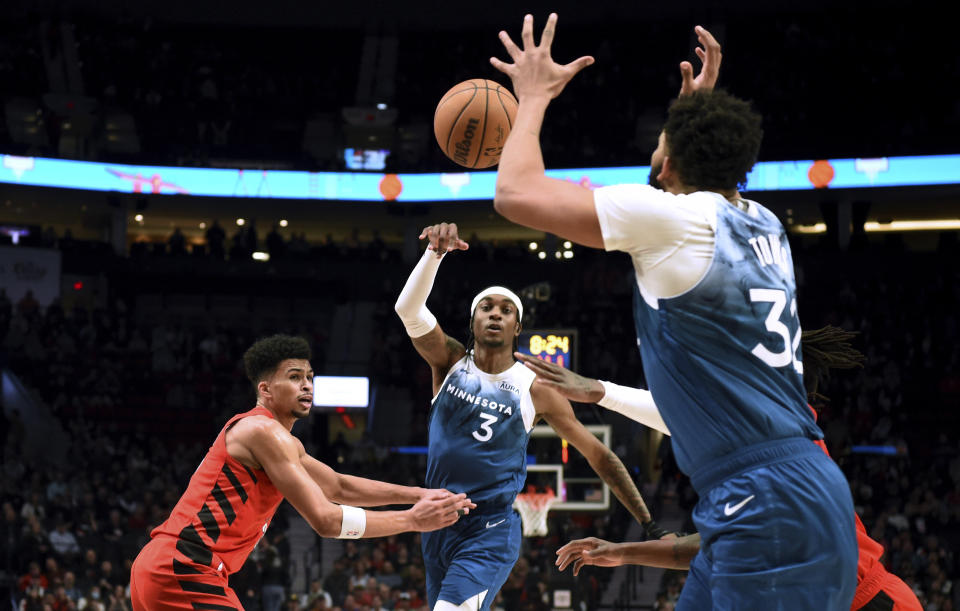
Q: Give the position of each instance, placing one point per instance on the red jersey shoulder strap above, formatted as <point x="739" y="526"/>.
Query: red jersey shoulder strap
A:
<point x="220" y="444"/>
<point x="259" y="410"/>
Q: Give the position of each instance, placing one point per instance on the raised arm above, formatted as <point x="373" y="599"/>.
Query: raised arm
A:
<point x="710" y="57"/>
<point x="557" y="412"/>
<point x="524" y="194"/>
<point x="279" y="453"/>
<point x="438" y="349"/>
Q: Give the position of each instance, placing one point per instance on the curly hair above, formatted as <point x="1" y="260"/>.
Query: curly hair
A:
<point x="713" y="139"/>
<point x="262" y="358"/>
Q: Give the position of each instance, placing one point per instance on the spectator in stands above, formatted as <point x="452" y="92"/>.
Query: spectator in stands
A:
<point x="28" y="305"/>
<point x="314" y="594"/>
<point x="276" y="575"/>
<point x="70" y="586"/>
<point x="215" y="238"/>
<point x="33" y="578"/>
<point x="276" y="246"/>
<point x="337" y="582"/>
<point x="177" y="243"/>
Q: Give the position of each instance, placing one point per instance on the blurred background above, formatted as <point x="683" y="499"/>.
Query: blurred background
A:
<point x="124" y="312"/>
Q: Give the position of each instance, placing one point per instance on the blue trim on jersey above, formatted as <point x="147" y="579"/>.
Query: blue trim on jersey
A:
<point x="721" y="365"/>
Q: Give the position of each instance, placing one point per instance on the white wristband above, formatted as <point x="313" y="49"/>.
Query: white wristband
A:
<point x="353" y="523"/>
<point x="633" y="403"/>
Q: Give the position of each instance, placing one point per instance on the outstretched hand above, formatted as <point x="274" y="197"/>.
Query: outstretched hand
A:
<point x="569" y="384"/>
<point x="710" y="57"/>
<point x="438" y="509"/>
<point x="533" y="71"/>
<point x="443" y="238"/>
<point x="588" y="552"/>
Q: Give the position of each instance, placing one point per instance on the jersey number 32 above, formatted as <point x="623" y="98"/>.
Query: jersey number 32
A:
<point x="777" y="298"/>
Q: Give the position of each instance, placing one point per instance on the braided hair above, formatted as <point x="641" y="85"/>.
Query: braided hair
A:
<point x="825" y="349"/>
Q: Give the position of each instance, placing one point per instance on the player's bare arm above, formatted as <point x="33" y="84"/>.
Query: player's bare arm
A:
<point x="438" y="349"/>
<point x="573" y="386"/>
<point x="659" y="553"/>
<point x="557" y="412"/>
<point x="524" y="194"/>
<point x="364" y="492"/>
<point x="279" y="453"/>
<point x="359" y="491"/>
<point x="634" y="403"/>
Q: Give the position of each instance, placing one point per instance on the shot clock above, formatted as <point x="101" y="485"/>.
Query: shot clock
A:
<point x="555" y="345"/>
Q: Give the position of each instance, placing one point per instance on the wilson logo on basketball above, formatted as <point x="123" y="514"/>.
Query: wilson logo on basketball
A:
<point x="472" y="122"/>
<point x="463" y="147"/>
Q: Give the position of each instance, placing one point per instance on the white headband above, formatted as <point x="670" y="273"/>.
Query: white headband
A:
<point x="498" y="290"/>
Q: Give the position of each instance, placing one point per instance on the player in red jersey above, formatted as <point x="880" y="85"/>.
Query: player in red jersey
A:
<point x="823" y="349"/>
<point x="253" y="464"/>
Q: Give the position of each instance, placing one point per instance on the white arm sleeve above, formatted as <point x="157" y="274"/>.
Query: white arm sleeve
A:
<point x="633" y="403"/>
<point x="411" y="305"/>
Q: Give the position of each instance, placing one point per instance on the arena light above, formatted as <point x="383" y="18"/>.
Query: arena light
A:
<point x="240" y="222"/>
<point x="533" y="245"/>
<point x="892" y="226"/>
<point x="558" y="254"/>
<point x="541" y="255"/>
<point x="930" y="225"/>
<point x="568" y="254"/>
<point x="568" y="245"/>
<point x="203" y="225"/>
<point x="138" y="218"/>
<point x="261" y="256"/>
<point x="815" y="228"/>
<point x="283" y="222"/>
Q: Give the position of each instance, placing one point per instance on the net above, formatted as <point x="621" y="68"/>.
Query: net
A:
<point x="533" y="507"/>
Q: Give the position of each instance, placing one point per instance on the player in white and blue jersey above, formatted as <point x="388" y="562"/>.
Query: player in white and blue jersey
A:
<point x="484" y="407"/>
<point x="718" y="330"/>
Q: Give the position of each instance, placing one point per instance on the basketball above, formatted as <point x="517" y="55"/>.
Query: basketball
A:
<point x="472" y="122"/>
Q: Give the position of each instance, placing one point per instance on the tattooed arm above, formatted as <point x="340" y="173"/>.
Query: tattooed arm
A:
<point x="663" y="553"/>
<point x="557" y="412"/>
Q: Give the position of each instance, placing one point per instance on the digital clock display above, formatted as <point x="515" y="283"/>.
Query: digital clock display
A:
<point x="554" y="345"/>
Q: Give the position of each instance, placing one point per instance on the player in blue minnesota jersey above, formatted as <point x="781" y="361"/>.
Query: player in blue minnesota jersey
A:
<point x="718" y="331"/>
<point x="485" y="404"/>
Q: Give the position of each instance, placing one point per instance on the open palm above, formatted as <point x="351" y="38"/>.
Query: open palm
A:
<point x="533" y="71"/>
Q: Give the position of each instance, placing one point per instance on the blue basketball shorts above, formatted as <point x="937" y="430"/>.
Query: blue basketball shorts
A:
<point x="474" y="555"/>
<point x="777" y="532"/>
